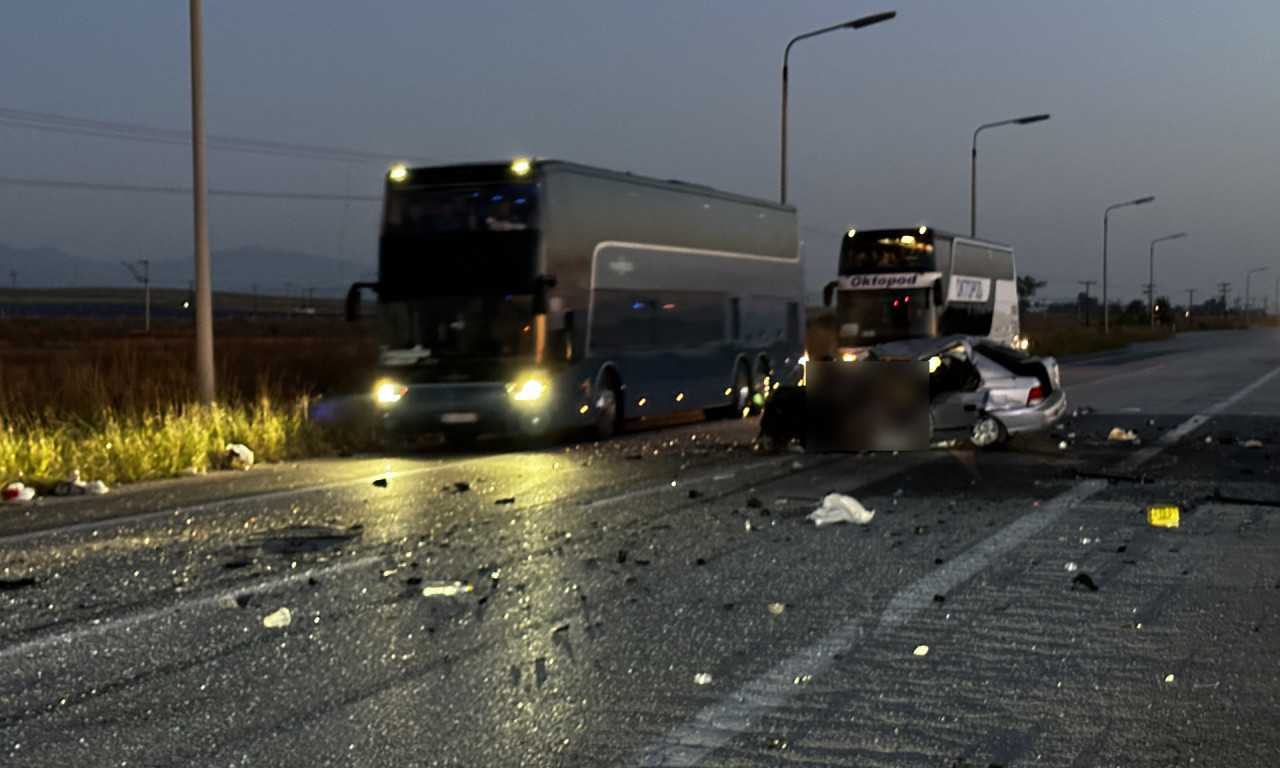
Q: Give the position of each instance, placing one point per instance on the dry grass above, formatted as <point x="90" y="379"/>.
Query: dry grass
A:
<point x="119" y="406"/>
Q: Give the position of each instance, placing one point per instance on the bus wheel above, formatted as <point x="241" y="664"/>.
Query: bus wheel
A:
<point x="608" y="421"/>
<point x="986" y="432"/>
<point x="739" y="396"/>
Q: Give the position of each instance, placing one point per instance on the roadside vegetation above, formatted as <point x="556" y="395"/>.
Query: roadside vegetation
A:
<point x="116" y="404"/>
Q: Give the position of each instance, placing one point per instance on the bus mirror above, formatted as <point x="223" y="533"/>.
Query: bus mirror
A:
<point x="540" y="285"/>
<point x="353" y="299"/>
<point x="828" y="293"/>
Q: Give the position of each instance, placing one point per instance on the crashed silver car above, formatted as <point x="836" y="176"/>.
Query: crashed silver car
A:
<point x="982" y="392"/>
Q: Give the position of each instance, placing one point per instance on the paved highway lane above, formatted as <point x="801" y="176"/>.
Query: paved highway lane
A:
<point x="660" y="599"/>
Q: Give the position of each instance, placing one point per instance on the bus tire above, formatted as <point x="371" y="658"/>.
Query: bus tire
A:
<point x="760" y="387"/>
<point x="608" y="407"/>
<point x="739" y="395"/>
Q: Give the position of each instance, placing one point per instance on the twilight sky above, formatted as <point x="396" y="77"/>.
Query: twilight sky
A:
<point x="1174" y="98"/>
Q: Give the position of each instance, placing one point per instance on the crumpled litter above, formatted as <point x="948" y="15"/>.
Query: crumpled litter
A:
<point x="74" y="486"/>
<point x="702" y="678"/>
<point x="18" y="492"/>
<point x="1252" y="443"/>
<point x="839" y="508"/>
<point x="1124" y="436"/>
<point x="277" y="619"/>
<point x="239" y="456"/>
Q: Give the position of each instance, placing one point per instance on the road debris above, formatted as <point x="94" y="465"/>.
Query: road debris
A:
<point x="921" y="650"/>
<point x="1072" y="567"/>
<point x="1083" y="410"/>
<point x="18" y="492"/>
<point x="239" y="456"/>
<point x="380" y="482"/>
<point x="1168" y="678"/>
<point x="839" y="508"/>
<point x="777" y="608"/>
<point x="74" y="486"/>
<point x="1120" y="435"/>
<point x="443" y="589"/>
<point x="507" y="500"/>
<point x="1083" y="580"/>
<point x="1062" y="445"/>
<point x="1163" y="517"/>
<point x="277" y="619"/>
<point x="702" y="678"/>
<point x="1252" y="443"/>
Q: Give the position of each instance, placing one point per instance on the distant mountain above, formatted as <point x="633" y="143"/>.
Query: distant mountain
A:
<point x="268" y="272"/>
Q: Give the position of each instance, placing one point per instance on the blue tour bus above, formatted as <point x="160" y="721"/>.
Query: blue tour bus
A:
<point x="537" y="296"/>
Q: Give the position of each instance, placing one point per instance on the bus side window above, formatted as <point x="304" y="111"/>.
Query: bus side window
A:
<point x="735" y="318"/>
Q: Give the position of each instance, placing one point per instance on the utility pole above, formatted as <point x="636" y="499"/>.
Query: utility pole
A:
<point x="1223" y="288"/>
<point x="143" y="277"/>
<point x="200" y="198"/>
<point x="1151" y="304"/>
<point x="1086" y="284"/>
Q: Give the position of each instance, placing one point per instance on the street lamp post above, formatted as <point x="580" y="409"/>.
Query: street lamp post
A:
<point x="973" y="162"/>
<point x="1247" y="275"/>
<point x="1151" y="275"/>
<point x="865" y="21"/>
<point x="200" y="195"/>
<point x="1106" y="308"/>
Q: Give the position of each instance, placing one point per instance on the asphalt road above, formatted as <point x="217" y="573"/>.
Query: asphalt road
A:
<point x="660" y="599"/>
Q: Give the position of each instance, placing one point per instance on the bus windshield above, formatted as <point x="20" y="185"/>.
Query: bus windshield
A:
<point x="874" y="317"/>
<point x="461" y="326"/>
<point x="458" y="241"/>
<point x="886" y="252"/>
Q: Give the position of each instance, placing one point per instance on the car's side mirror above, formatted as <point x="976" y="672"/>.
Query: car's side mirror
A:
<point x="353" y="299"/>
<point x="828" y="293"/>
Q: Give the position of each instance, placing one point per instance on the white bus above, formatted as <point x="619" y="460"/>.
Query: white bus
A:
<point x="898" y="284"/>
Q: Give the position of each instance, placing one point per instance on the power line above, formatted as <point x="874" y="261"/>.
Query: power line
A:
<point x="43" y="121"/>
<point x="181" y="190"/>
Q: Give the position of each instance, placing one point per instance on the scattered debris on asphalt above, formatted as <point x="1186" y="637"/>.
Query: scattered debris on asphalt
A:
<point x="1163" y="517"/>
<point x="74" y="486"/>
<point x="1208" y="439"/>
<point x="921" y="650"/>
<point x="239" y="456"/>
<point x="777" y="608"/>
<point x="1083" y="410"/>
<point x="1168" y="678"/>
<point x="1072" y="567"/>
<point x="1085" y="581"/>
<point x="18" y="492"/>
<point x="1124" y="436"/>
<point x="277" y="619"/>
<point x="507" y="500"/>
<point x="380" y="482"/>
<point x="459" y="487"/>
<point x="443" y="589"/>
<point x="18" y="583"/>
<point x="839" y="508"/>
<point x="1252" y="443"/>
<point x="702" y="678"/>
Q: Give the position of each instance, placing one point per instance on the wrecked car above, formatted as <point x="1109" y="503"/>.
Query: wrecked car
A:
<point x="980" y="393"/>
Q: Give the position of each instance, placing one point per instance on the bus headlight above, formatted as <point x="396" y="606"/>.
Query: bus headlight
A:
<point x="529" y="388"/>
<point x="387" y="392"/>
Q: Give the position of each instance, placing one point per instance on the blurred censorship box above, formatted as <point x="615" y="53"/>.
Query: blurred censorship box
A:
<point x="871" y="405"/>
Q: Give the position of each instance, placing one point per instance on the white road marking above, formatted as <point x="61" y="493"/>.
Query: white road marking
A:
<point x="724" y="720"/>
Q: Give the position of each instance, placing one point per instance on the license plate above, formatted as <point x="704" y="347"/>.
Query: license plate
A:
<point x="459" y="418"/>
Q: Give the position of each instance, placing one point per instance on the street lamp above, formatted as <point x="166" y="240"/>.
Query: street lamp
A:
<point x="865" y="21"/>
<point x="1106" y="308"/>
<point x="973" y="161"/>
<point x="1247" y="275"/>
<point x="1151" y="275"/>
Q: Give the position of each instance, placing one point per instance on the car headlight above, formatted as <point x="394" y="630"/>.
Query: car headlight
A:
<point x="528" y="388"/>
<point x="387" y="392"/>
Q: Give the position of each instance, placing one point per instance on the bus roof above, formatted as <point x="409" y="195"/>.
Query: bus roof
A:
<point x="477" y="172"/>
<point x="933" y="231"/>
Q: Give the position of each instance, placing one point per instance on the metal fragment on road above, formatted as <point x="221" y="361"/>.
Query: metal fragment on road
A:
<point x="921" y="650"/>
<point x="702" y="678"/>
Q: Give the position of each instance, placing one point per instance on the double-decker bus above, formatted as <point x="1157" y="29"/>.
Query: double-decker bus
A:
<point x="898" y="284"/>
<point x="531" y="297"/>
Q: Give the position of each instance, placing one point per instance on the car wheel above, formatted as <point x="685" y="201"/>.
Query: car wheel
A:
<point x="987" y="431"/>
<point x="608" y="409"/>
